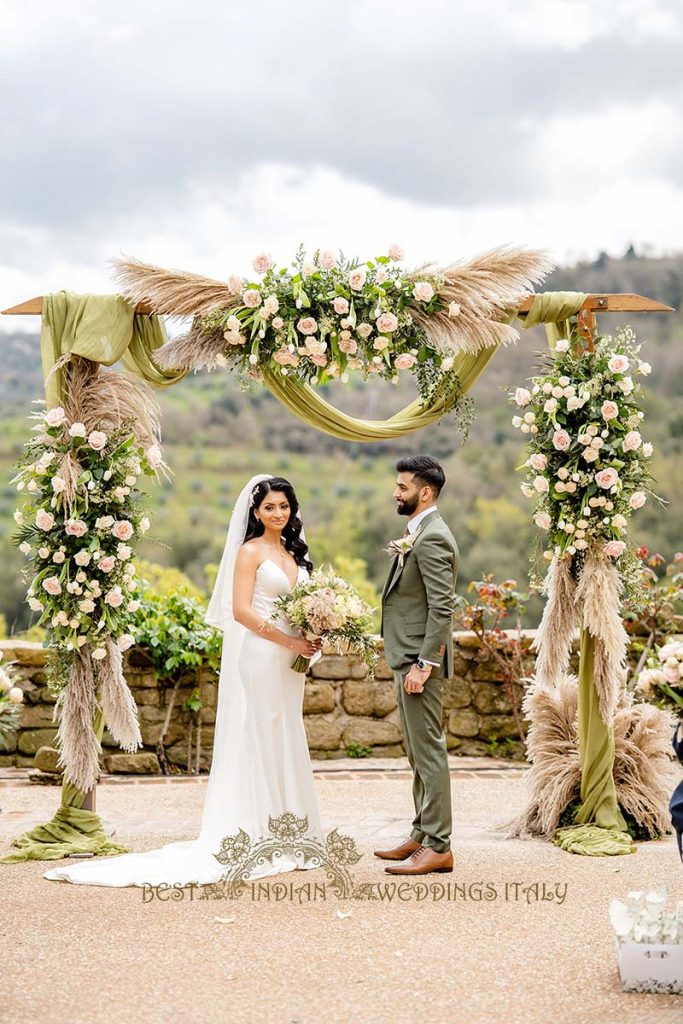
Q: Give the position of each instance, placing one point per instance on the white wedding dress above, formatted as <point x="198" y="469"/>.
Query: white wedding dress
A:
<point x="261" y="766"/>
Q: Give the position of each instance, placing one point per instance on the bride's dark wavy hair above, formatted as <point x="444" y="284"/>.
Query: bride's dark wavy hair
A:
<point x="291" y="534"/>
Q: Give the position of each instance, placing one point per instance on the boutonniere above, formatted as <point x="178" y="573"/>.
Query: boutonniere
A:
<point x="401" y="547"/>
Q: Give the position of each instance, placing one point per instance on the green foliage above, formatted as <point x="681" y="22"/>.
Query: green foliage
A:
<point x="357" y="750"/>
<point x="166" y="580"/>
<point x="172" y="629"/>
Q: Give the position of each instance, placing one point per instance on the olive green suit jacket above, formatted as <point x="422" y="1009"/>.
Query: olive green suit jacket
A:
<point x="418" y="600"/>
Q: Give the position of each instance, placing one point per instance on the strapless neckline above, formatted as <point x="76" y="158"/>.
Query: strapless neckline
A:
<point x="279" y="567"/>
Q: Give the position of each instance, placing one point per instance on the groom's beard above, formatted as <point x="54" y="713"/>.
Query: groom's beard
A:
<point x="407" y="506"/>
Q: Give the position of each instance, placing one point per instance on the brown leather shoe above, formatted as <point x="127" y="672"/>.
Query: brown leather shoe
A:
<point x="399" y="852"/>
<point x="423" y="862"/>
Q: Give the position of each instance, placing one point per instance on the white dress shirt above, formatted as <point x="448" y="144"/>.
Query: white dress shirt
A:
<point x="412" y="526"/>
<point x="413" y="523"/>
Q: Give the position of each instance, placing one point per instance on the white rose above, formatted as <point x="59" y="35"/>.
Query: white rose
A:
<point x="522" y="396"/>
<point x="395" y="252"/>
<point x="423" y="291"/>
<point x="154" y="456"/>
<point x="637" y="499"/>
<point x="55" y="417"/>
<point x="562" y="345"/>
<point x="538" y="461"/>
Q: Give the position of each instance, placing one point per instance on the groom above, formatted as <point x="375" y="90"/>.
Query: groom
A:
<point x="418" y="602"/>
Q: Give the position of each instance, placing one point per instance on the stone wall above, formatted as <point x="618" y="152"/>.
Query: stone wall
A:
<point x="343" y="709"/>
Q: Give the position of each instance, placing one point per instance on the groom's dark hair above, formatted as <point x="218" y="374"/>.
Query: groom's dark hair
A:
<point x="425" y="469"/>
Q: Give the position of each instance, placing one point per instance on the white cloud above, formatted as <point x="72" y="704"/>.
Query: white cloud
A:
<point x="195" y="137"/>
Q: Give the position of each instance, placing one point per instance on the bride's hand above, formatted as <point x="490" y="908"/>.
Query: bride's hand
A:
<point x="303" y="646"/>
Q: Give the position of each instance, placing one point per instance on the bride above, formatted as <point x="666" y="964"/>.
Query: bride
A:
<point x="261" y="766"/>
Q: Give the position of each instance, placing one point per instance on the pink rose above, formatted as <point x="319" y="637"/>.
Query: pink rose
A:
<point x="618" y="364"/>
<point x="97" y="440"/>
<point x="405" y="361"/>
<point x="107" y="563"/>
<point x="609" y="410"/>
<point x="278" y="322"/>
<point x="126" y="640"/>
<point x="542" y="520"/>
<point x="44" y="520"/>
<point x="561" y="440"/>
<point x="423" y="291"/>
<point x="75" y="528"/>
<point x="538" y="461"/>
<point x="284" y="357"/>
<point x="307" y="325"/>
<point x="55" y="417"/>
<point x="606" y="477"/>
<point x="632" y="441"/>
<point x="614" y="548"/>
<point x="114" y="598"/>
<point x="262" y="263"/>
<point x="235" y="284"/>
<point x="340" y="305"/>
<point x="327" y="259"/>
<point x="357" y="278"/>
<point x="251" y="298"/>
<point x="319" y="360"/>
<point x="122" y="530"/>
<point x="380" y="344"/>
<point x="52" y="585"/>
<point x="386" y="323"/>
<point x="395" y="252"/>
<point x="348" y="345"/>
<point x="637" y="499"/>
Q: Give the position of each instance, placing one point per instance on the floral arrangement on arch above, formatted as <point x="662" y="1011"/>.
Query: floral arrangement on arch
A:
<point x="588" y="466"/>
<point x="325" y="316"/>
<point x="76" y="529"/>
<point x="588" y="469"/>
<point x="82" y="515"/>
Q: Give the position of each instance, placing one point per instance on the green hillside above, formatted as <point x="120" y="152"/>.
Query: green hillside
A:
<point x="216" y="438"/>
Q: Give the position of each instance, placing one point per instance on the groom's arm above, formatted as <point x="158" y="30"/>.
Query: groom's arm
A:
<point x="437" y="563"/>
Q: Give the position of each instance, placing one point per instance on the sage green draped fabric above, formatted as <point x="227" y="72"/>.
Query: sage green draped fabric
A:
<point x="600" y="828"/>
<point x="305" y="402"/>
<point x="105" y="329"/>
<point x="71" y="830"/>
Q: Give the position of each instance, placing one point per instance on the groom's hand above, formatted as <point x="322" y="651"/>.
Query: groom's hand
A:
<point x="415" y="681"/>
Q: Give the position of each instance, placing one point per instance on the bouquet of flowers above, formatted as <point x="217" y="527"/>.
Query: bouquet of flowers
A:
<point x="76" y="528"/>
<point x="661" y="683"/>
<point x="588" y="465"/>
<point x="327" y="606"/>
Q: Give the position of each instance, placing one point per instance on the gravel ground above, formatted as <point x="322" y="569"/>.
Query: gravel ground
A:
<point x="85" y="955"/>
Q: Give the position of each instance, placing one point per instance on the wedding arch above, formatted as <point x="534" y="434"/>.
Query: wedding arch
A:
<point x="294" y="330"/>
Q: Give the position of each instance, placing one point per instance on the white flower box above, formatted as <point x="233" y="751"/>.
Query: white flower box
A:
<point x="650" y="967"/>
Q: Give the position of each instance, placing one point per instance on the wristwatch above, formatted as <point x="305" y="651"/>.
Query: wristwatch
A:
<point x="422" y="665"/>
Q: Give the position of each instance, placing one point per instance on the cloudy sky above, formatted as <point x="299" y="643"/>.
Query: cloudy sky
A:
<point x="195" y="135"/>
